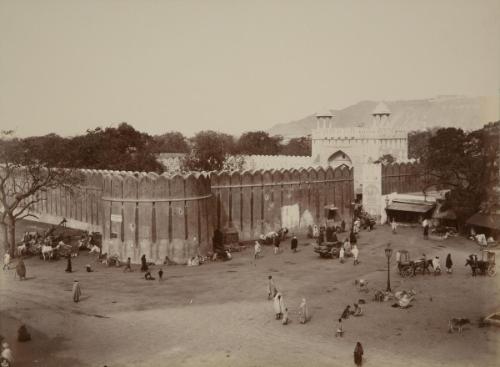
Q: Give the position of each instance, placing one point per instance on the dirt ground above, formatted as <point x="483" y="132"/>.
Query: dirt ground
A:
<point x="218" y="314"/>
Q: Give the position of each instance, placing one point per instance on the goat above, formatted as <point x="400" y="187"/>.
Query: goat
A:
<point x="458" y="324"/>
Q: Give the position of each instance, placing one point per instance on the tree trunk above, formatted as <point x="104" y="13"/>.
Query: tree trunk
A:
<point x="10" y="229"/>
<point x="5" y="242"/>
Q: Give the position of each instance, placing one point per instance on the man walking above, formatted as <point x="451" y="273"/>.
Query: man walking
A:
<point x="294" y="243"/>
<point x="257" y="250"/>
<point x="355" y="253"/>
<point x="68" y="265"/>
<point x="271" y="288"/>
<point x="394" y="225"/>
<point x="128" y="266"/>
<point x="425" y="224"/>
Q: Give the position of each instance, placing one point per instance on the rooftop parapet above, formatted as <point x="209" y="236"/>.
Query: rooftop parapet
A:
<point x="359" y="133"/>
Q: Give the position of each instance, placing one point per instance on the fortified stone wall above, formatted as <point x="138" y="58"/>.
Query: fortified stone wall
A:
<point x="403" y="178"/>
<point x="138" y="213"/>
<point x="174" y="216"/>
<point x="256" y="162"/>
<point x="261" y="201"/>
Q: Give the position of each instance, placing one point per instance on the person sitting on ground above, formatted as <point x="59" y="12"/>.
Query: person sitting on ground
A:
<point x="89" y="268"/>
<point x="22" y="334"/>
<point x="347" y="312"/>
<point x="357" y="310"/>
<point x="128" y="265"/>
<point x="148" y="276"/>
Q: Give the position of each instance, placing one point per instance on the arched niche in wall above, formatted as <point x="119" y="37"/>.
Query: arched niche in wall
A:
<point x="339" y="158"/>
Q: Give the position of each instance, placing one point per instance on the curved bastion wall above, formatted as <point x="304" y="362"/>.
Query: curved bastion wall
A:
<point x="138" y="213"/>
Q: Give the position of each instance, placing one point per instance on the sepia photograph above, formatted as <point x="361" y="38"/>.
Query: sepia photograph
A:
<point x="235" y="183"/>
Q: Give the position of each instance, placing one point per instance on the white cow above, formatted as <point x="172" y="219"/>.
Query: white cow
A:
<point x="47" y="251"/>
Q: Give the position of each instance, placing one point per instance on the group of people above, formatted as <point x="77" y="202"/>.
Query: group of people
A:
<point x="346" y="248"/>
<point x="280" y="309"/>
<point x="257" y="252"/>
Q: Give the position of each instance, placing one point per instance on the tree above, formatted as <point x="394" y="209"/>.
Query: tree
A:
<point x="259" y="142"/>
<point x="24" y="175"/>
<point x="171" y="142"/>
<point x="122" y="149"/>
<point x="209" y="151"/>
<point x="386" y="159"/>
<point x="465" y="163"/>
<point x="417" y="143"/>
<point x="297" y="146"/>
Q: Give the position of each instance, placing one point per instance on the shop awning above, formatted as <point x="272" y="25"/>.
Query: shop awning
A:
<point x="491" y="221"/>
<point x="410" y="207"/>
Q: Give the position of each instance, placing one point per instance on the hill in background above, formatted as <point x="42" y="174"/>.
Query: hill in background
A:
<point x="467" y="113"/>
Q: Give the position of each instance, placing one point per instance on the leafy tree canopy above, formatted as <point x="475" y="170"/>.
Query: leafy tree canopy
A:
<point x="259" y="142"/>
<point x="171" y="142"/>
<point x="209" y="151"/>
<point x="297" y="146"/>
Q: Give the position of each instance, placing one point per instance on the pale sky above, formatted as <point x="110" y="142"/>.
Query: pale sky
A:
<point x="232" y="65"/>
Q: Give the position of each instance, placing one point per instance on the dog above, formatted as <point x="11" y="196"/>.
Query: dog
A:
<point x="458" y="324"/>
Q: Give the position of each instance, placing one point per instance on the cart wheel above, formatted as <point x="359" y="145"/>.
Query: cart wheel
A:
<point x="407" y="273"/>
<point x="491" y="271"/>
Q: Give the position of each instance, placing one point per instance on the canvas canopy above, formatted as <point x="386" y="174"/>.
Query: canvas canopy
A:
<point x="410" y="207"/>
<point x="491" y="221"/>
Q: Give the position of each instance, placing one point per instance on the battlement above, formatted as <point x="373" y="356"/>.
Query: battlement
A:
<point x="358" y="133"/>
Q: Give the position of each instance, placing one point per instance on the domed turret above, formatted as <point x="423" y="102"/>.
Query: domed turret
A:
<point x="324" y="119"/>
<point x="381" y="115"/>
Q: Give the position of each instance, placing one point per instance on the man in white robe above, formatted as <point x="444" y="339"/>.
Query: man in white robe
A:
<point x="279" y="306"/>
<point x="303" y="312"/>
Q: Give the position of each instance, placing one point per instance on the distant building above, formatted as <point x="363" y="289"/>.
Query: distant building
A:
<point x="356" y="146"/>
<point x="171" y="162"/>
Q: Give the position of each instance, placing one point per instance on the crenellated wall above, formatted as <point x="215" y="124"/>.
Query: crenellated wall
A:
<point x="255" y="162"/>
<point x="403" y="178"/>
<point x="257" y="202"/>
<point x="175" y="215"/>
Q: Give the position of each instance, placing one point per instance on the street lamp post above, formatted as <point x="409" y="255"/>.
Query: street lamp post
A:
<point x="388" y="253"/>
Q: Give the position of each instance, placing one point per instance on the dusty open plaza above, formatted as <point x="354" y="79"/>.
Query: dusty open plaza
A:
<point x="218" y="314"/>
